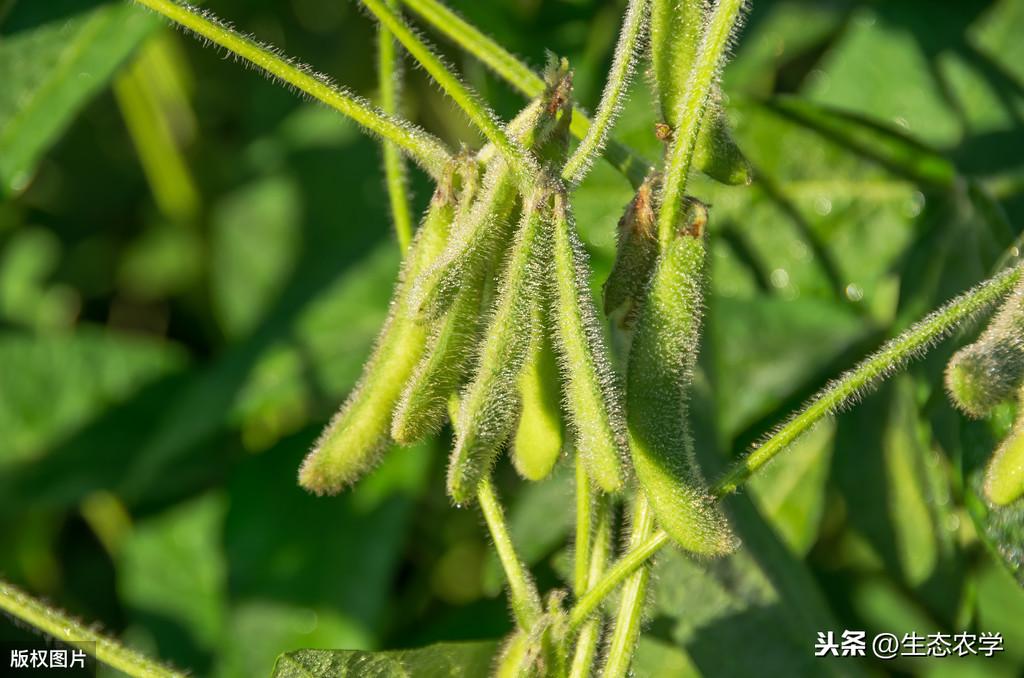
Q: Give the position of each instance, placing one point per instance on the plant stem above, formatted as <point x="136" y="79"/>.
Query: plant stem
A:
<point x="65" y="629"/>
<point x="690" y="115"/>
<point x="631" y="603"/>
<point x="584" y="511"/>
<point x="520" y="76"/>
<point x="389" y="74"/>
<point x="477" y="111"/>
<point x="613" y="96"/>
<point x="427" y="150"/>
<point x="525" y="600"/>
<point x="852" y="384"/>
<point x="845" y="390"/>
<point x="590" y="632"/>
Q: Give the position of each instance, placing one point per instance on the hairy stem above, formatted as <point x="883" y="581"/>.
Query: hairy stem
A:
<point x="476" y="110"/>
<point x="62" y="627"/>
<point x="845" y="390"/>
<point x="584" y="514"/>
<point x="389" y="74"/>
<point x="634" y="593"/>
<point x="520" y="76"/>
<point x="626" y="50"/>
<point x="525" y="600"/>
<point x="688" y="118"/>
<point x="852" y="384"/>
<point x="590" y="632"/>
<point x="427" y="150"/>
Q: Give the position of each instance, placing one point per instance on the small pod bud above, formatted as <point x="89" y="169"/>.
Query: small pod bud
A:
<point x="1004" y="477"/>
<point x="661" y="363"/>
<point x="491" y="402"/>
<point x="537" y="443"/>
<point x="634" y="257"/>
<point x="590" y="387"/>
<point x="990" y="371"/>
<point x="677" y="27"/>
<point x="360" y="432"/>
<point x="518" y="657"/>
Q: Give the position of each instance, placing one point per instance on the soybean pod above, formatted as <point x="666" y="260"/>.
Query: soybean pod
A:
<point x="490" y="402"/>
<point x="589" y="383"/>
<point x="991" y="370"/>
<point x="677" y="27"/>
<point x="447" y="356"/>
<point x="636" y="251"/>
<point x="538" y="439"/>
<point x="360" y="431"/>
<point x="1004" y="477"/>
<point x="480" y="238"/>
<point x="661" y="363"/>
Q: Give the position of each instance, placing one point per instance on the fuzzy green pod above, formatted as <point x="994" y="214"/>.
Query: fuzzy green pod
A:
<point x="661" y="363"/>
<point x="1004" y="477"/>
<point x="360" y="431"/>
<point x="490" y="402"/>
<point x="538" y="439"/>
<point x="636" y="251"/>
<point x="446" y="359"/>
<point x="991" y="370"/>
<point x="677" y="27"/>
<point x="589" y="383"/>
<point x="482" y="235"/>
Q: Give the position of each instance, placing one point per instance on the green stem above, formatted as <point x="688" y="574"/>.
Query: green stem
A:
<point x="687" y="122"/>
<point x="845" y="390"/>
<point x="590" y="632"/>
<point x="389" y="74"/>
<point x="67" y="630"/>
<point x="584" y="512"/>
<point x="525" y="600"/>
<point x="477" y="111"/>
<point x="520" y="76"/>
<point x="631" y="602"/>
<point x="428" y="151"/>
<point x="619" y="77"/>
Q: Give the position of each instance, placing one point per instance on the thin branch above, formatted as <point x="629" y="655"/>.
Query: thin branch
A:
<point x="68" y="630"/>
<point x="389" y="74"/>
<point x="612" y="98"/>
<point x="525" y="600"/>
<point x="584" y="513"/>
<point x="477" y="111"/>
<point x="840" y="394"/>
<point x="520" y="76"/>
<point x="631" y="603"/>
<point x="721" y="22"/>
<point x="427" y="150"/>
<point x="590" y="633"/>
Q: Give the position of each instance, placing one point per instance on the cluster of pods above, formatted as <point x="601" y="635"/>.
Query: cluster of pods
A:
<point x="988" y="373"/>
<point x="493" y="326"/>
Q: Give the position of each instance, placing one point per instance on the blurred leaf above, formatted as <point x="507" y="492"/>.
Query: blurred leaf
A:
<point x="53" y="384"/>
<point x="467" y="660"/>
<point x="26" y="295"/>
<point x="655" y="658"/>
<point x="766" y="348"/>
<point x="261" y="630"/>
<point x="172" y="566"/>
<point x="54" y="56"/>
<point x="255" y="243"/>
<point x="790" y="492"/>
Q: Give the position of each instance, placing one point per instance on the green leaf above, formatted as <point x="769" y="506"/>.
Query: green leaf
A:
<point x="54" y="57"/>
<point x="55" y="383"/>
<point x="172" y="565"/>
<point x="465" y="660"/>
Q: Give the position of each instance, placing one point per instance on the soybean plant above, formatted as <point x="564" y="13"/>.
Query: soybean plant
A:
<point x="493" y="327"/>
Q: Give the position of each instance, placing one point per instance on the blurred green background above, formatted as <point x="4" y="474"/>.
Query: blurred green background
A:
<point x="194" y="263"/>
